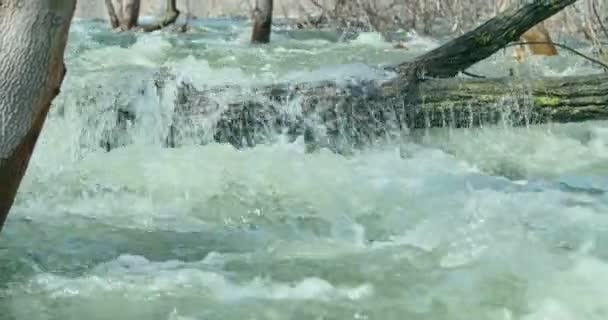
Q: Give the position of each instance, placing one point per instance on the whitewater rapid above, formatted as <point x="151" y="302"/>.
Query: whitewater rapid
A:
<point x="490" y="223"/>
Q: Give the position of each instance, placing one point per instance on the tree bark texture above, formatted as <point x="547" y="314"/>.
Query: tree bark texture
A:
<point x="262" y="21"/>
<point x="32" y="45"/>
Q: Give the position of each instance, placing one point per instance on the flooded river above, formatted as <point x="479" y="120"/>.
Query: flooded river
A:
<point x="489" y="223"/>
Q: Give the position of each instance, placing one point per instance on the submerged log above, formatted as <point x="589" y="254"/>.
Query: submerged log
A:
<point x="345" y="117"/>
<point x="32" y="44"/>
<point x="519" y="101"/>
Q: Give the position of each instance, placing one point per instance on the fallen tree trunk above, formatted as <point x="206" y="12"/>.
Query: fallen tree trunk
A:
<point x="34" y="36"/>
<point x="560" y="99"/>
<point x="345" y="117"/>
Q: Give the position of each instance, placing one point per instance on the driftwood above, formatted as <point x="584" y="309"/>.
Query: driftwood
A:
<point x="421" y="95"/>
<point x="345" y="117"/>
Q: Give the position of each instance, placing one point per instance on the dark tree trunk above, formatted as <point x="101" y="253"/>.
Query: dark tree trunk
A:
<point x="131" y="14"/>
<point x="171" y="15"/>
<point x="463" y="52"/>
<point x="262" y="21"/>
<point x="362" y="113"/>
<point x="342" y="118"/>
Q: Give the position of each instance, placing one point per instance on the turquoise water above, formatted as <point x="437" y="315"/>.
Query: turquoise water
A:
<point x="490" y="223"/>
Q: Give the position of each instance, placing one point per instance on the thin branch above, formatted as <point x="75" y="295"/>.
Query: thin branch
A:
<point x="473" y="75"/>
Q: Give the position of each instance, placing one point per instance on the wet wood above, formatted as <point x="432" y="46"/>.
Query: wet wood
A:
<point x="346" y="117"/>
<point x="262" y="21"/>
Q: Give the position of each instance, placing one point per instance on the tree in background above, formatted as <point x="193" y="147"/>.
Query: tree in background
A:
<point x="171" y="15"/>
<point x="262" y="21"/>
<point x="440" y="17"/>
<point x="124" y="15"/>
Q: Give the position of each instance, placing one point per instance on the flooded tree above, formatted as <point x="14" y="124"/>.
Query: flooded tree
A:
<point x="32" y="47"/>
<point x="123" y="13"/>
<point x="262" y="21"/>
<point x="170" y="16"/>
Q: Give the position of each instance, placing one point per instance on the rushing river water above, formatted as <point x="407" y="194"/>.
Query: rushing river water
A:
<point x="491" y="223"/>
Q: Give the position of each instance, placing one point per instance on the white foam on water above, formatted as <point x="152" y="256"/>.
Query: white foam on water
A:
<point x="373" y="39"/>
<point x="137" y="278"/>
<point x="429" y="227"/>
<point x="544" y="150"/>
<point x="148" y="51"/>
<point x="574" y="293"/>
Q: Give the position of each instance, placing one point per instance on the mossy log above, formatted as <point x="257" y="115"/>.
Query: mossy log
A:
<point x="346" y="117"/>
<point x="531" y="100"/>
